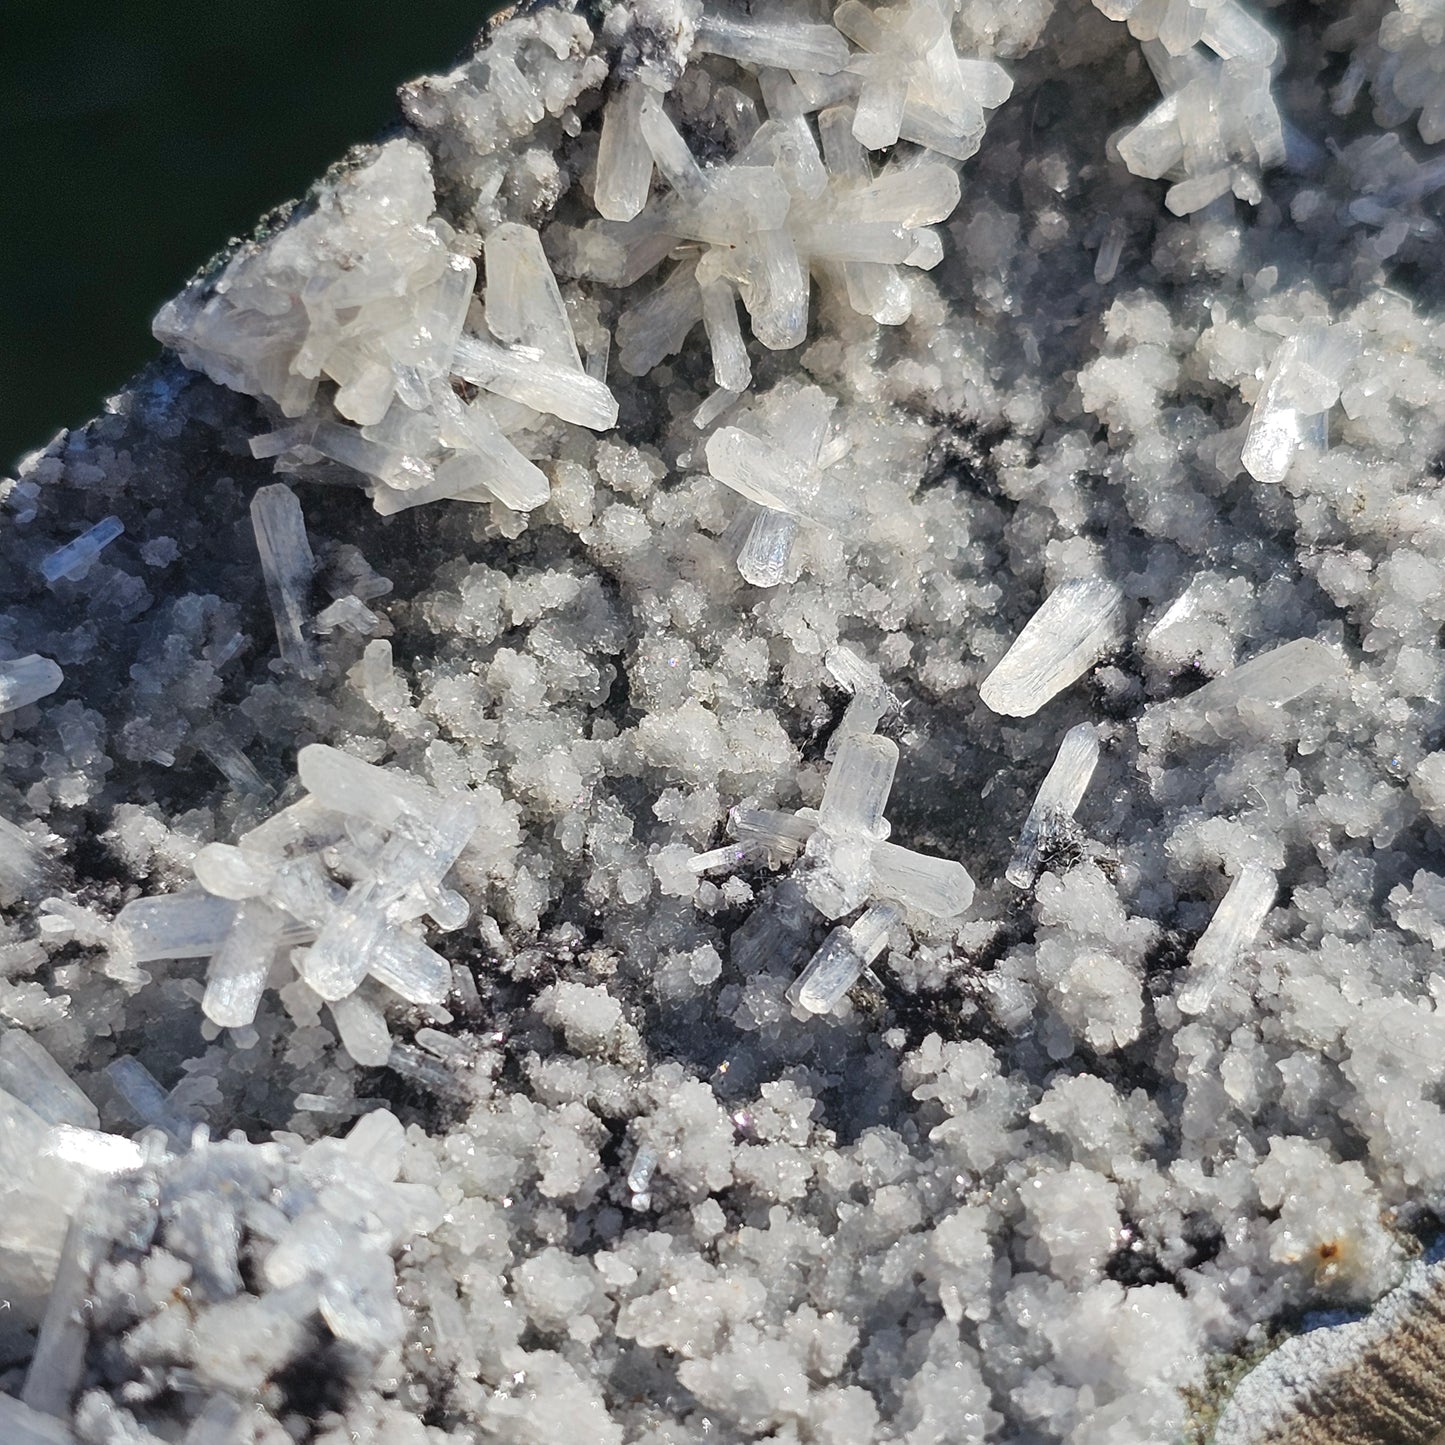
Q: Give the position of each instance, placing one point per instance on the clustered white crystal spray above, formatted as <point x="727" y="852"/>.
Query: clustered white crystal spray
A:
<point x="556" y="711"/>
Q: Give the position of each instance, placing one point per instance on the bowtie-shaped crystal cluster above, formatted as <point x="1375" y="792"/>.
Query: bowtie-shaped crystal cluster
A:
<point x="799" y="196"/>
<point x="908" y="81"/>
<point x="276" y="904"/>
<point x="359" y="321"/>
<point x="781" y="462"/>
<point x="1217" y="126"/>
<point x="842" y="860"/>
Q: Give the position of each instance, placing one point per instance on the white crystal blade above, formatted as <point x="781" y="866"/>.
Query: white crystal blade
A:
<point x="230" y="872"/>
<point x="669" y="151"/>
<point x="524" y="304"/>
<point x="830" y="973"/>
<point x="939" y="887"/>
<point x="763" y="559"/>
<point x="1272" y="679"/>
<point x="758" y="471"/>
<point x="239" y="968"/>
<point x="523" y="374"/>
<point x="1059" y="796"/>
<point x="856" y="792"/>
<point x="346" y="946"/>
<point x="777" y="299"/>
<point x="778" y="44"/>
<point x="1235" y="34"/>
<point x="1234" y="927"/>
<point x="75" y="557"/>
<point x="363" y="1031"/>
<point x="624" y="162"/>
<point x="879" y="115"/>
<point x="58" y="1363"/>
<point x="174" y="925"/>
<point x="780" y="833"/>
<point x="28" y="1073"/>
<point x="484" y="456"/>
<point x="20" y="1425"/>
<point x="348" y="785"/>
<point x="730" y="365"/>
<point x="287" y="566"/>
<point x="1078" y="623"/>
<point x="409" y="968"/>
<point x="24" y="869"/>
<point x="657" y="326"/>
<point x="845" y="953"/>
<point x="26" y="680"/>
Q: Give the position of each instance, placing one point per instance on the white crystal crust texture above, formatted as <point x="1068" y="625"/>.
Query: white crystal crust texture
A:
<point x="1079" y="622"/>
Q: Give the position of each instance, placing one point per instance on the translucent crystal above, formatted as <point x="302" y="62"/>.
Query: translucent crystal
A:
<point x="524" y="374"/>
<point x="21" y="1425"/>
<point x="781" y="463"/>
<point x="1272" y="679"/>
<point x="241" y="964"/>
<point x="524" y="305"/>
<point x="29" y="1074"/>
<point x="836" y="872"/>
<point x="146" y="1099"/>
<point x="1234" y="33"/>
<point x="1059" y="796"/>
<point x="230" y="872"/>
<point x="731" y="367"/>
<point x="231" y="762"/>
<point x="778" y="44"/>
<point x="639" y="1176"/>
<point x="174" y="925"/>
<point x="363" y="1031"/>
<point x="75" y="557"/>
<point x="871" y="700"/>
<point x="789" y="137"/>
<point x="854" y="672"/>
<point x="1106" y="263"/>
<point x="780" y="833"/>
<point x="381" y="298"/>
<point x="288" y="566"/>
<point x="763" y="559"/>
<point x="26" y="680"/>
<point x="483" y="457"/>
<point x="408" y="967"/>
<point x="845" y="953"/>
<point x="1154" y="146"/>
<point x="669" y="151"/>
<point x="345" y="947"/>
<point x="859" y="781"/>
<point x="913" y="83"/>
<point x="348" y="785"/>
<point x="758" y="471"/>
<point x="24" y="869"/>
<point x="939" y="887"/>
<point x="59" y="1360"/>
<point x="1078" y="623"/>
<point x="1303" y="381"/>
<point x="347" y="614"/>
<point x="624" y="162"/>
<point x="657" y="326"/>
<point x="1234" y="927"/>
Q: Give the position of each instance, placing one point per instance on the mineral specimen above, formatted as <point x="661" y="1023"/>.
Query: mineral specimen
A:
<point x="499" y="731"/>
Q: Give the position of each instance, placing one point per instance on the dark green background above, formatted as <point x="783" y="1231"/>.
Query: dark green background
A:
<point x="138" y="137"/>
